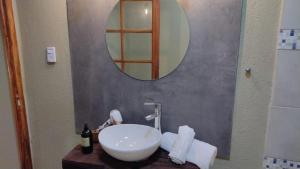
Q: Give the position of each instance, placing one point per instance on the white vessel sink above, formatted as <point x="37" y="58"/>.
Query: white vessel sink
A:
<point x="130" y="142"/>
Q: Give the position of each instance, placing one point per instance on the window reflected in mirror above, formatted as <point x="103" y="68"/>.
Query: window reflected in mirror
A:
<point x="147" y="39"/>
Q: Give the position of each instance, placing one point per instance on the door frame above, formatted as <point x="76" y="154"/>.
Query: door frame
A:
<point x="11" y="55"/>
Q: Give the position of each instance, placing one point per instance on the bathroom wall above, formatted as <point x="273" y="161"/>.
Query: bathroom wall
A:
<point x="49" y="87"/>
<point x="199" y="93"/>
<point x="283" y="136"/>
<point x="9" y="153"/>
<point x="258" y="51"/>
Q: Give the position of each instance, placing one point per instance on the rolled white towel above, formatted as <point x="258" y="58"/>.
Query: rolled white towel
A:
<point x="182" y="144"/>
<point x="201" y="154"/>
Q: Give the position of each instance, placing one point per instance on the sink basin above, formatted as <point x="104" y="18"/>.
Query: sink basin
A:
<point x="130" y="142"/>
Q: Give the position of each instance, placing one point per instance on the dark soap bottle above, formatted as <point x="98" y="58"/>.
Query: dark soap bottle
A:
<point x="86" y="140"/>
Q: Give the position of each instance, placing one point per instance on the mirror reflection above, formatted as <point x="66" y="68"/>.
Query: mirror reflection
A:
<point x="147" y="39"/>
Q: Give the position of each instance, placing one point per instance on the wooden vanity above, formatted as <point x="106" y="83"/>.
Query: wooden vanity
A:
<point x="100" y="160"/>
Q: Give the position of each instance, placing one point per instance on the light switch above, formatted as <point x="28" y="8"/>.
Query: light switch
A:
<point x="51" y="54"/>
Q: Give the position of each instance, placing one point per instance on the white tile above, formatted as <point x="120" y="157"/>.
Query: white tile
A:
<point x="288" y="39"/>
<point x="283" y="134"/>
<point x="291" y="14"/>
<point x="269" y="163"/>
<point x="287" y="80"/>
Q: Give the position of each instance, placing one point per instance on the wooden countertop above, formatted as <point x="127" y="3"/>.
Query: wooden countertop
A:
<point x="100" y="160"/>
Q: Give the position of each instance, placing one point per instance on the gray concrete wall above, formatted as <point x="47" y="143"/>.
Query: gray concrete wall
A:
<point x="199" y="93"/>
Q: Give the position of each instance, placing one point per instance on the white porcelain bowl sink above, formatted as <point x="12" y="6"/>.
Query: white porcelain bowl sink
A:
<point x="130" y="142"/>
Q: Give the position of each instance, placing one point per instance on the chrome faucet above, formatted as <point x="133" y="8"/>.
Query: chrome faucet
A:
<point x="156" y="115"/>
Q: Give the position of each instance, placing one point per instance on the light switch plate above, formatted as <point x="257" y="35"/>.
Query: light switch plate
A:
<point x="51" y="54"/>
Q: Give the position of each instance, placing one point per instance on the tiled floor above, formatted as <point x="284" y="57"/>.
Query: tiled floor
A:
<point x="275" y="163"/>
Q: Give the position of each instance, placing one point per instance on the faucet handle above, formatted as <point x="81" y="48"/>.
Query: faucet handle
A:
<point x="156" y="105"/>
<point x="149" y="103"/>
<point x="152" y="104"/>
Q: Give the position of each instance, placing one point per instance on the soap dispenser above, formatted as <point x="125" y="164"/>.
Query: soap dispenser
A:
<point x="86" y="140"/>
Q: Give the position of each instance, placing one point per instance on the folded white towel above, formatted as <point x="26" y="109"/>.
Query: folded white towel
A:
<point x="182" y="144"/>
<point x="201" y="154"/>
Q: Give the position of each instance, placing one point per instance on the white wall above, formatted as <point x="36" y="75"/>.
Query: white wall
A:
<point x="49" y="87"/>
<point x="258" y="51"/>
<point x="283" y="136"/>
<point x="9" y="157"/>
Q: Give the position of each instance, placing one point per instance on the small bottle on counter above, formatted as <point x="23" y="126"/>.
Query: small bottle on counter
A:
<point x="86" y="140"/>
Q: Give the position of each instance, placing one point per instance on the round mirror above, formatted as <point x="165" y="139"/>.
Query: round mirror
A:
<point x="147" y="40"/>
